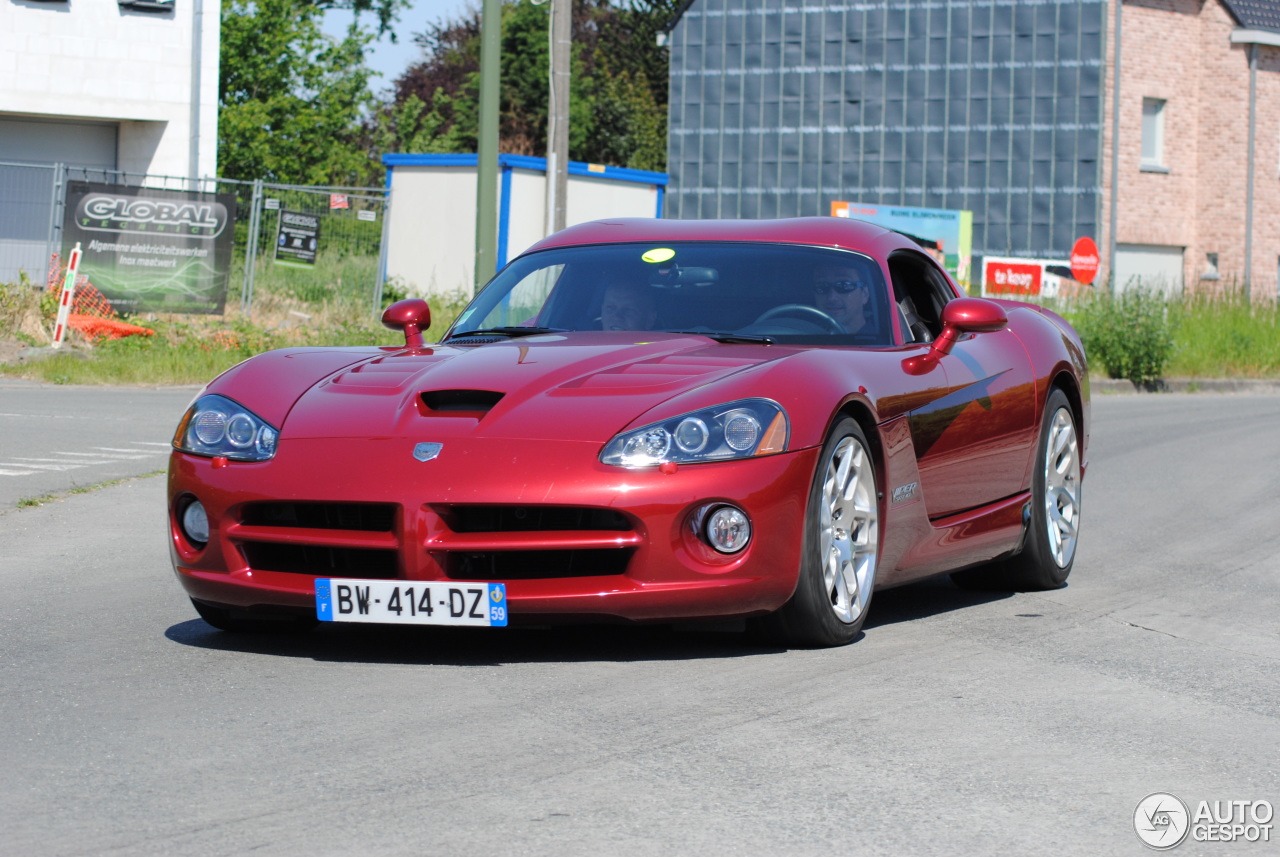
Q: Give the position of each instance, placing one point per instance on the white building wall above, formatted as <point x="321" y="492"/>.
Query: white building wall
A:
<point x="527" y="223"/>
<point x="95" y="60"/>
<point x="431" y="231"/>
<point x="592" y="198"/>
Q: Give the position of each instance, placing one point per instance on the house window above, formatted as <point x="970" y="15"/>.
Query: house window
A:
<point x="1210" y="267"/>
<point x="1153" y="134"/>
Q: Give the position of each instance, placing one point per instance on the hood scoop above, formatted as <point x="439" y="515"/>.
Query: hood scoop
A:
<point x="467" y="401"/>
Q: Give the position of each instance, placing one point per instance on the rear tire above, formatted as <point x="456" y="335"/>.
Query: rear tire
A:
<point x="1054" y="526"/>
<point x="240" y="621"/>
<point x="841" y="546"/>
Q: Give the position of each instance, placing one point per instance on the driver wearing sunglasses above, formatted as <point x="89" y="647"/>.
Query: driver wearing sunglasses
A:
<point x="840" y="292"/>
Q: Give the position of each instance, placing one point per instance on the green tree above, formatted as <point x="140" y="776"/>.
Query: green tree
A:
<point x="291" y="99"/>
<point x="618" y="103"/>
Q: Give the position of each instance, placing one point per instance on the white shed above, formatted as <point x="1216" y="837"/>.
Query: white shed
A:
<point x="431" y="230"/>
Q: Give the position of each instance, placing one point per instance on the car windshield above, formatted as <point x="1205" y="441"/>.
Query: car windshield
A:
<point x="735" y="292"/>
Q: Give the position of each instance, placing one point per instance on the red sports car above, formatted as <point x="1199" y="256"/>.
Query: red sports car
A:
<point x="645" y="420"/>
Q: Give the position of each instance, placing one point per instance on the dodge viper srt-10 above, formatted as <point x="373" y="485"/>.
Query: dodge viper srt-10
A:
<point x="647" y="421"/>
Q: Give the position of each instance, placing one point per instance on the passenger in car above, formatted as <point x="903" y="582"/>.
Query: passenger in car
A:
<point x="627" y="306"/>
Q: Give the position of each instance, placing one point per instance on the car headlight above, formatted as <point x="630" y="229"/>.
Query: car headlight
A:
<point x="742" y="429"/>
<point x="215" y="425"/>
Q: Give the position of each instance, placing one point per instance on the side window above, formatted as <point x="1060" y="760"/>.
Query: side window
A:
<point x="921" y="292"/>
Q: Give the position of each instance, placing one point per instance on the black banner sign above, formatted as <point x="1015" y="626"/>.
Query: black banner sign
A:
<point x="150" y="250"/>
<point x="298" y="239"/>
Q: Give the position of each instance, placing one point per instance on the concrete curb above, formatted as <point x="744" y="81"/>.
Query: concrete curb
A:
<point x="1254" y="386"/>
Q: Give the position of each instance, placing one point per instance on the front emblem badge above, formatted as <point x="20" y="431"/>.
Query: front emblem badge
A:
<point x="427" y="451"/>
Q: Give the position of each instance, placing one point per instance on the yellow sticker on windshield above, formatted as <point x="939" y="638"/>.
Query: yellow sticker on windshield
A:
<point x="658" y="254"/>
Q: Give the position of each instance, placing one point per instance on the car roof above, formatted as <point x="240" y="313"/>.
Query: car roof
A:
<point x="839" y="232"/>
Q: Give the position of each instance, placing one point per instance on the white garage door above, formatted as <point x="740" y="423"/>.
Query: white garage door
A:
<point x="43" y="141"/>
<point x="1154" y="266"/>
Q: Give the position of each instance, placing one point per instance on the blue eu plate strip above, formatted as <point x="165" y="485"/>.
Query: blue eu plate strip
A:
<point x="324" y="607"/>
<point x="497" y="605"/>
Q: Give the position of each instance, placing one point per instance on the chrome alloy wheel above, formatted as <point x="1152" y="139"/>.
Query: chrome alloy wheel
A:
<point x="848" y="529"/>
<point x="1062" y="488"/>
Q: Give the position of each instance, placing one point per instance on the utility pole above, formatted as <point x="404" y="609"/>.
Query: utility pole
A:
<point x="558" y="115"/>
<point x="487" y="149"/>
<point x="197" y="94"/>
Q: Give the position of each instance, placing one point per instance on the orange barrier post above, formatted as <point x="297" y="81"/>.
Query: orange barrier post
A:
<point x="68" y="292"/>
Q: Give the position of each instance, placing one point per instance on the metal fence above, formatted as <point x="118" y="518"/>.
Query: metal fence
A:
<point x="29" y="207"/>
<point x="352" y="263"/>
<point x="348" y="265"/>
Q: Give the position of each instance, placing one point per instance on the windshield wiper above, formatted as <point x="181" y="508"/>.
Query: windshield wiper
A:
<point x="507" y="331"/>
<point x="726" y="336"/>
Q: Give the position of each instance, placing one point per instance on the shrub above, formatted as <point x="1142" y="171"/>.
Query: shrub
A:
<point x="1130" y="336"/>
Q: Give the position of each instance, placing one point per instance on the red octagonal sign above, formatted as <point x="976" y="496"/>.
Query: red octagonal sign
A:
<point x="1084" y="260"/>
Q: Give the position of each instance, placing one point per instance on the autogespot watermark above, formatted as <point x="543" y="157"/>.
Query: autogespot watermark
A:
<point x="1163" y="821"/>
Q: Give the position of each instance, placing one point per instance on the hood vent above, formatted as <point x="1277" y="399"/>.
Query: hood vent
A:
<point x="461" y="400"/>
<point x="476" y="340"/>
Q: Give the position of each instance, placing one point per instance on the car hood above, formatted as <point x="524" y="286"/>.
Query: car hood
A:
<point x="578" y="386"/>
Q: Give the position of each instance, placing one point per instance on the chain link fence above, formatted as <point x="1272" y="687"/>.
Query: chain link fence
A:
<point x="298" y="243"/>
<point x="348" y="260"/>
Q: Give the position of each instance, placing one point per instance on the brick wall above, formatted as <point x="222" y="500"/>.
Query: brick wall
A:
<point x="1180" y="51"/>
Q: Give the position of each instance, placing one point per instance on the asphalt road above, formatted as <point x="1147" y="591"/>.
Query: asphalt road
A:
<point x="958" y="724"/>
<point x="53" y="439"/>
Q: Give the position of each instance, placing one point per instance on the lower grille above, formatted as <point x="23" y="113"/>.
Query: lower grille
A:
<point x="535" y="564"/>
<point x="528" y="519"/>
<point x="363" y="517"/>
<point x="322" y="561"/>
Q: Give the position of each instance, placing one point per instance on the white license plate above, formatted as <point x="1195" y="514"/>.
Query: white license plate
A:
<point x="399" y="602"/>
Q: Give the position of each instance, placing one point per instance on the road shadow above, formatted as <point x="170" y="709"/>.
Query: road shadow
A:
<point x="925" y="598"/>
<point x="482" y="647"/>
<point x="619" y="643"/>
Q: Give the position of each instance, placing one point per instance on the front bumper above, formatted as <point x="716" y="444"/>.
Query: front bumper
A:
<point x="569" y="537"/>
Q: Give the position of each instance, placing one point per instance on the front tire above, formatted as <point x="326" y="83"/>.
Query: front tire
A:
<point x="1054" y="526"/>
<point x="841" y="546"/>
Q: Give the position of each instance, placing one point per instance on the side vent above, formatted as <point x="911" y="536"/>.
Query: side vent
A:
<point x="461" y="400"/>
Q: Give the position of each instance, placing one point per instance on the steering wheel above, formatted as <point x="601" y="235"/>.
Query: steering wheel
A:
<point x="802" y="311"/>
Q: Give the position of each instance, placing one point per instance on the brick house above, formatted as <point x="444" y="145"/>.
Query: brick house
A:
<point x="779" y="107"/>
<point x="1199" y="116"/>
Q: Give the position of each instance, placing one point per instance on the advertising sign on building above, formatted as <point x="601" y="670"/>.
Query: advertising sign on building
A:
<point x="298" y="239"/>
<point x="150" y="250"/>
<point x="1012" y="277"/>
<point x="945" y="234"/>
<point x="1018" y="277"/>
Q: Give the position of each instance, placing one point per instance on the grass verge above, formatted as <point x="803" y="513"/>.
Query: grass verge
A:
<point x="191" y="349"/>
<point x="1220" y="335"/>
<point x="32" y="502"/>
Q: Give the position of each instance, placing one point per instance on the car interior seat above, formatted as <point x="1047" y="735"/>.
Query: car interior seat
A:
<point x="912" y="322"/>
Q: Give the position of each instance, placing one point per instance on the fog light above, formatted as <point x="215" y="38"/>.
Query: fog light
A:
<point x="727" y="529"/>
<point x="195" y="524"/>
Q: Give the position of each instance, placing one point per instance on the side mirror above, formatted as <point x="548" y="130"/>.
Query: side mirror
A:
<point x="411" y="315"/>
<point x="968" y="315"/>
